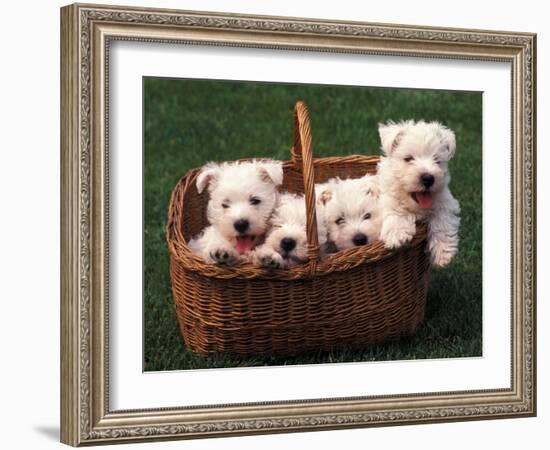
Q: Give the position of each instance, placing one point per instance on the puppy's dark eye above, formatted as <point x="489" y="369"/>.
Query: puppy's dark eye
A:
<point x="366" y="216"/>
<point x="255" y="201"/>
<point x="437" y="161"/>
<point x="340" y="221"/>
<point x="225" y="205"/>
<point x="408" y="158"/>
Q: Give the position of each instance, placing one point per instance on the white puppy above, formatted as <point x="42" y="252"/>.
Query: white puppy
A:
<point x="242" y="198"/>
<point x="286" y="242"/>
<point x="414" y="183"/>
<point x="351" y="210"/>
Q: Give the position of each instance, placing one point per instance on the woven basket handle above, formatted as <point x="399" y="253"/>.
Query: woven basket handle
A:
<point x="302" y="157"/>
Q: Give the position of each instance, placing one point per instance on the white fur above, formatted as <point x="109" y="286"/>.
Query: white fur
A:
<point x="234" y="188"/>
<point x="289" y="221"/>
<point x="351" y="209"/>
<point x="431" y="146"/>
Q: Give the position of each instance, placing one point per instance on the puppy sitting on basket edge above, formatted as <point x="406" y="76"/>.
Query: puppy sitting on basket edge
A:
<point x="414" y="184"/>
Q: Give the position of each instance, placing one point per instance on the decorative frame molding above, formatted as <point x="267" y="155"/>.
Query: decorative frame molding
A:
<point x="86" y="31"/>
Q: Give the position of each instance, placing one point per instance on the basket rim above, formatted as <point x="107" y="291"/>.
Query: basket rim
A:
<point x="340" y="261"/>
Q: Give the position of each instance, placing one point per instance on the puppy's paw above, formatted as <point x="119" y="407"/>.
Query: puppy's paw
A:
<point x="441" y="254"/>
<point x="268" y="258"/>
<point x="272" y="261"/>
<point x="397" y="237"/>
<point x="223" y="255"/>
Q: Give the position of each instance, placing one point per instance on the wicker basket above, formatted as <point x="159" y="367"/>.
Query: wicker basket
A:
<point x="352" y="298"/>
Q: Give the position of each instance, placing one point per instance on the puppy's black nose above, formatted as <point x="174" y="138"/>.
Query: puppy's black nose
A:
<point x="360" y="239"/>
<point x="241" y="225"/>
<point x="427" y="180"/>
<point x="287" y="244"/>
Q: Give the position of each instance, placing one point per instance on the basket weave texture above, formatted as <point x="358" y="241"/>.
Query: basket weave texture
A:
<point x="352" y="298"/>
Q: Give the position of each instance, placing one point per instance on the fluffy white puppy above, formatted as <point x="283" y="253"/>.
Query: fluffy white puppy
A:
<point x="414" y="182"/>
<point x="243" y="196"/>
<point x="286" y="241"/>
<point x="352" y="210"/>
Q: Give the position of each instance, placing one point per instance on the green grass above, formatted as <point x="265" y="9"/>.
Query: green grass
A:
<point x="190" y="122"/>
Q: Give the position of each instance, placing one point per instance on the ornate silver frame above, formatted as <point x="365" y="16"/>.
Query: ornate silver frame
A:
<point x="86" y="31"/>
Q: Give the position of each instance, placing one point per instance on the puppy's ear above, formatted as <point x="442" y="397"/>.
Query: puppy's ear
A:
<point x="208" y="176"/>
<point x="370" y="186"/>
<point x="390" y="136"/>
<point x="271" y="172"/>
<point x="373" y="191"/>
<point x="325" y="197"/>
<point x="448" y="140"/>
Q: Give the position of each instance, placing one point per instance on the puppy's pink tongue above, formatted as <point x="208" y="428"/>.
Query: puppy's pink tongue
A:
<point x="424" y="199"/>
<point x="244" y="244"/>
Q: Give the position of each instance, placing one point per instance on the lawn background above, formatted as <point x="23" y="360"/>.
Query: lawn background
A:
<point x="190" y="122"/>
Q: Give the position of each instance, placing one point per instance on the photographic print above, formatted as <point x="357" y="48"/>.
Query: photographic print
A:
<point x="384" y="312"/>
<point x="276" y="224"/>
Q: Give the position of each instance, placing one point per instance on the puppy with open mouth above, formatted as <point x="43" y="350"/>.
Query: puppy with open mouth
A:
<point x="243" y="195"/>
<point x="414" y="183"/>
